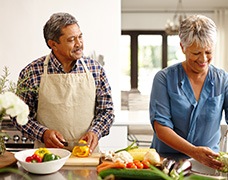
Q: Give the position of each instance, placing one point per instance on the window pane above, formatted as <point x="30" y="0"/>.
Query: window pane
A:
<point x="175" y="54"/>
<point x="125" y="63"/>
<point x="149" y="60"/>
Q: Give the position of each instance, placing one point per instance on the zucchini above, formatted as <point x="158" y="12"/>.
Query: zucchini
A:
<point x="130" y="174"/>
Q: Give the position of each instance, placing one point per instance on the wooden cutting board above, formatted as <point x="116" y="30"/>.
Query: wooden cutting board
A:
<point x="7" y="159"/>
<point x="92" y="160"/>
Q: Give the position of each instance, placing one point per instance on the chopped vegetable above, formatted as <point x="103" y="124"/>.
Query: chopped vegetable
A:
<point x="81" y="151"/>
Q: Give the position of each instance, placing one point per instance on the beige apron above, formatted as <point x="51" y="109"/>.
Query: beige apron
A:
<point x="66" y="102"/>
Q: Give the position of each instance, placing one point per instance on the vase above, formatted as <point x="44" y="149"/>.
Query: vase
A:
<point x="2" y="146"/>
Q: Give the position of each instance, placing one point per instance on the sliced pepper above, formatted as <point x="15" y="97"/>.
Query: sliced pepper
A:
<point x="81" y="151"/>
<point x="41" y="152"/>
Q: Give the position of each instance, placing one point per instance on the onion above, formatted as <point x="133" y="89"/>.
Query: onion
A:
<point x="153" y="157"/>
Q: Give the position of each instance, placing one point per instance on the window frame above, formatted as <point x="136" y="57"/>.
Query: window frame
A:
<point x="134" y="52"/>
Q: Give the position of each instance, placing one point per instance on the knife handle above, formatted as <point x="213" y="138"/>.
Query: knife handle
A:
<point x="65" y="143"/>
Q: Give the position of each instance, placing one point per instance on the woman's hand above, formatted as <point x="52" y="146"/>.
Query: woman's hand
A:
<point x="206" y="156"/>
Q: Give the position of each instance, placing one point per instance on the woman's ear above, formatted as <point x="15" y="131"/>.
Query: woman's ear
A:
<point x="182" y="48"/>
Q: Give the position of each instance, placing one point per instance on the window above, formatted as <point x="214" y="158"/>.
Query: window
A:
<point x="143" y="53"/>
<point x="175" y="54"/>
<point x="149" y="60"/>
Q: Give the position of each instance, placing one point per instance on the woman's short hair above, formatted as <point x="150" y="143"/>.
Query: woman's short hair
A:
<point x="199" y="29"/>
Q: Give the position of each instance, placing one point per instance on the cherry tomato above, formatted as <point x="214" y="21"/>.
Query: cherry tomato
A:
<point x="138" y="164"/>
<point x="131" y="165"/>
<point x="146" y="164"/>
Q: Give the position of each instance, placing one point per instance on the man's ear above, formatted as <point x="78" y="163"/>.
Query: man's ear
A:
<point x="52" y="44"/>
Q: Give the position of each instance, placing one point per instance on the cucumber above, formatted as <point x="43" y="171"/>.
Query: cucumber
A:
<point x="130" y="174"/>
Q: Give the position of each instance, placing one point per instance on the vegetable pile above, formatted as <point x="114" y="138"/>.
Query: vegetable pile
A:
<point x="137" y="163"/>
<point x="42" y="155"/>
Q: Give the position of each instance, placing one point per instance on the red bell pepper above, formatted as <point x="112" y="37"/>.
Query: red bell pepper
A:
<point x="34" y="159"/>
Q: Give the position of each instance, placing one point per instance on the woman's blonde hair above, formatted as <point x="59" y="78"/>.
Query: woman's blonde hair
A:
<point x="199" y="29"/>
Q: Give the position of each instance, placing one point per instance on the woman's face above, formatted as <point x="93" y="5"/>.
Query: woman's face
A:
<point x="198" y="58"/>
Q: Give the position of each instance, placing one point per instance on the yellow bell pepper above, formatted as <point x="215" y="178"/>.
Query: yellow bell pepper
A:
<point x="41" y="152"/>
<point x="81" y="151"/>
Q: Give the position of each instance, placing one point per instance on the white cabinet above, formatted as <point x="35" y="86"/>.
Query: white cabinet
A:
<point x="117" y="138"/>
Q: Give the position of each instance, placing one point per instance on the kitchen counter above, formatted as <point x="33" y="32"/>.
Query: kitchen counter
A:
<point x="90" y="173"/>
<point x="65" y="173"/>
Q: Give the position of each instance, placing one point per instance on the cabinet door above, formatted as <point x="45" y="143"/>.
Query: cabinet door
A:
<point x="117" y="139"/>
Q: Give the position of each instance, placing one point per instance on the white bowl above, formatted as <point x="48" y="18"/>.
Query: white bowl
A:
<point x="44" y="167"/>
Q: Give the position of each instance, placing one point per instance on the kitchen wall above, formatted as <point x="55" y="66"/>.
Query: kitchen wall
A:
<point x="21" y="32"/>
<point x="149" y="20"/>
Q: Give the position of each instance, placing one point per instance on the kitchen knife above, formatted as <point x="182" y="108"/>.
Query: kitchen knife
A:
<point x="73" y="143"/>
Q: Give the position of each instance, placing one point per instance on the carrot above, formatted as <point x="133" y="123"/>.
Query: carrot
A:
<point x="117" y="165"/>
<point x="105" y="163"/>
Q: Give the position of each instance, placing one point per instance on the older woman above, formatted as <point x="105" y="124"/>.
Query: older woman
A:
<point x="188" y="98"/>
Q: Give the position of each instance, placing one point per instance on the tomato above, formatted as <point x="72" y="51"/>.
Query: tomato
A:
<point x="146" y="164"/>
<point x="138" y="164"/>
<point x="131" y="165"/>
<point x="33" y="159"/>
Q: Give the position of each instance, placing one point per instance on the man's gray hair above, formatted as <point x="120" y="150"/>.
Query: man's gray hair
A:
<point x="199" y="29"/>
<point x="53" y="28"/>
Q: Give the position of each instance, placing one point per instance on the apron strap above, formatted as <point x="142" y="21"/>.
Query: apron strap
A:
<point x="46" y="63"/>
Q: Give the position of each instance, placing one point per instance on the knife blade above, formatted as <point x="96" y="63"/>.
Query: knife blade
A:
<point x="73" y="143"/>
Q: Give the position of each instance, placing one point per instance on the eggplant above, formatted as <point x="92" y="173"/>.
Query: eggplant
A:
<point x="167" y="165"/>
<point x="182" y="168"/>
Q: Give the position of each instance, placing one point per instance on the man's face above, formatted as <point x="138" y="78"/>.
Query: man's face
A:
<point x="70" y="46"/>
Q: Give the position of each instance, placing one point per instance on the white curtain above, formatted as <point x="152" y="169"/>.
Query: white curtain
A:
<point x="221" y="56"/>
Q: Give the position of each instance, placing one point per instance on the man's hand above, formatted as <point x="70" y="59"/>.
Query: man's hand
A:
<point x="92" y="140"/>
<point x="52" y="138"/>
